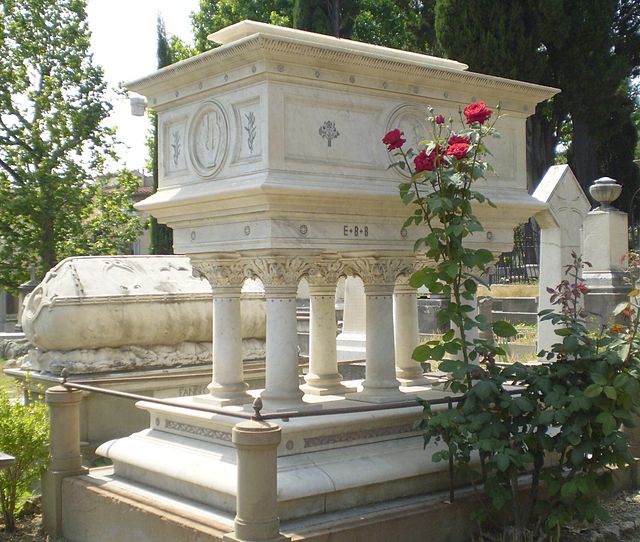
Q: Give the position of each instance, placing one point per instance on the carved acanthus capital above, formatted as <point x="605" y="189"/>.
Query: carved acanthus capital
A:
<point x="411" y="266"/>
<point x="325" y="272"/>
<point x="383" y="270"/>
<point x="220" y="273"/>
<point x="276" y="272"/>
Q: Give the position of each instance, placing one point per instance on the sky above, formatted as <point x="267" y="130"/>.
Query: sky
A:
<point x="123" y="42"/>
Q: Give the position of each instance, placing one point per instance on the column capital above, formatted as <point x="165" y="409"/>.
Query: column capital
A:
<point x="276" y="272"/>
<point x="221" y="273"/>
<point x="324" y="273"/>
<point x="381" y="270"/>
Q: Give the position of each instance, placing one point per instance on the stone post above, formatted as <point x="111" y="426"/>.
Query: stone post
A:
<point x="227" y="385"/>
<point x="561" y="225"/>
<point x="280" y="277"/>
<point x="605" y="247"/>
<point x="257" y="490"/>
<point x="406" y="334"/>
<point x="380" y="383"/>
<point x="323" y="377"/>
<point x="65" y="458"/>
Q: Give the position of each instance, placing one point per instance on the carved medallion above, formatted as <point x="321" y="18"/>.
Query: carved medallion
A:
<point x="208" y="139"/>
<point x="412" y="121"/>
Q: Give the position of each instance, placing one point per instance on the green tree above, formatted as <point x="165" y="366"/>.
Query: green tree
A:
<point x="503" y="38"/>
<point x="588" y="48"/>
<point x="52" y="142"/>
<point x="169" y="50"/>
<point x="216" y="14"/>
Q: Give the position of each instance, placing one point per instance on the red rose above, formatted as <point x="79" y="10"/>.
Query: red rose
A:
<point x="393" y="139"/>
<point x="458" y="150"/>
<point x="458" y="139"/>
<point x="439" y="119"/>
<point x="422" y="162"/>
<point x="477" y="112"/>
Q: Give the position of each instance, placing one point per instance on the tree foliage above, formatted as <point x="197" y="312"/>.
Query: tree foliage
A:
<point x="216" y="14"/>
<point x="587" y="48"/>
<point x="168" y="51"/>
<point x="24" y="434"/>
<point x="53" y="144"/>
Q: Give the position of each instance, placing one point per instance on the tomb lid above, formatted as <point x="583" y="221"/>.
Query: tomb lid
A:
<point x="247" y="28"/>
<point x="249" y="42"/>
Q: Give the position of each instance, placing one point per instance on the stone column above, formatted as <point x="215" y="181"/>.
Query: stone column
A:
<point x="351" y="342"/>
<point x="406" y="334"/>
<point x="380" y="383"/>
<point x="257" y="491"/>
<point x="280" y="277"/>
<point x="605" y="247"/>
<point x="323" y="377"/>
<point x="65" y="458"/>
<point x="226" y="277"/>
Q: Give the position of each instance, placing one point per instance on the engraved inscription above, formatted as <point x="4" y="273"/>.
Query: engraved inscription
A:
<point x="312" y="442"/>
<point x="355" y="231"/>
<point x="199" y="431"/>
<point x="188" y="391"/>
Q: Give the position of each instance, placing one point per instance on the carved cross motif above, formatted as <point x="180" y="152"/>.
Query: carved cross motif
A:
<point x="328" y="131"/>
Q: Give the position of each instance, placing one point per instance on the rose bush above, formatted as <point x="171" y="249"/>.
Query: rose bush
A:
<point x="562" y="425"/>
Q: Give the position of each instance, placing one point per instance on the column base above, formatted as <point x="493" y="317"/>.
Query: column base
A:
<point x="417" y="381"/>
<point x="323" y="385"/>
<point x="227" y="396"/>
<point x="380" y="396"/>
<point x="232" y="537"/>
<point x="338" y="389"/>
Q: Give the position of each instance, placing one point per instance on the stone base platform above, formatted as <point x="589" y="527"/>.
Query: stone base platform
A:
<point x="325" y="463"/>
<point x="99" y="508"/>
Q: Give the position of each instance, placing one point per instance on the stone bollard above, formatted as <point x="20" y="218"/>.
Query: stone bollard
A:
<point x="257" y="501"/>
<point x="65" y="458"/>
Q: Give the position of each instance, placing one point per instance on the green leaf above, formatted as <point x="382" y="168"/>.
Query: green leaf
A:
<point x="504" y="329"/>
<point x="593" y="390"/>
<point x="502" y="462"/>
<point x="609" y="424"/>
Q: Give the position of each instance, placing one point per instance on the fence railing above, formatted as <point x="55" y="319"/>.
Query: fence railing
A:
<point x="521" y="265"/>
<point x="256" y="440"/>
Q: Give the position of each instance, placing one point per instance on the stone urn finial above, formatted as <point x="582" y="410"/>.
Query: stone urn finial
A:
<point x="605" y="191"/>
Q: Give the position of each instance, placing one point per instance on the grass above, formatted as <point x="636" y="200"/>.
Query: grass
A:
<point x="509" y="290"/>
<point x="6" y="382"/>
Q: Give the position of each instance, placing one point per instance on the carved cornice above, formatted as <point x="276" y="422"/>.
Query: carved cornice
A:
<point x="276" y="272"/>
<point x="260" y="45"/>
<point x="220" y="273"/>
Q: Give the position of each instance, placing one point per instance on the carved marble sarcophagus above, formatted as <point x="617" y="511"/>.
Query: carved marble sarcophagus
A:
<point x="272" y="142"/>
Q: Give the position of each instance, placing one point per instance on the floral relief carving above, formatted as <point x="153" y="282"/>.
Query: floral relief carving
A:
<point x="276" y="272"/>
<point x="325" y="272"/>
<point x="250" y="128"/>
<point x="220" y="273"/>
<point x="383" y="270"/>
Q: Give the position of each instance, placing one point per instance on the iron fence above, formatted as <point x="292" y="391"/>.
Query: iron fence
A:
<point x="521" y="265"/>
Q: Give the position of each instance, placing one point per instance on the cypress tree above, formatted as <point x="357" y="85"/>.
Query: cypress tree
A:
<point x="161" y="235"/>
